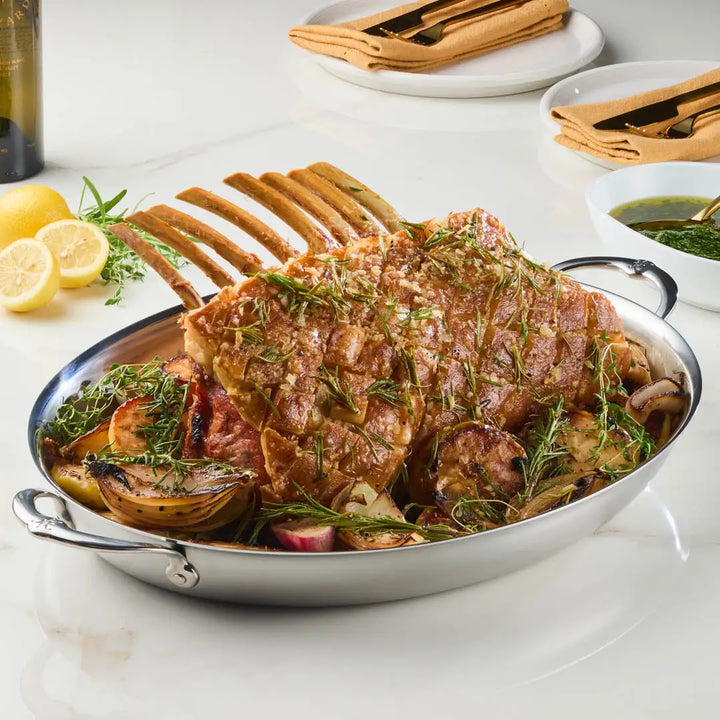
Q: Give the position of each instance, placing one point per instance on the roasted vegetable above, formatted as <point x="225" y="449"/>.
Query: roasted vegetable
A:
<point x="560" y="491"/>
<point x="363" y="499"/>
<point x="125" y="427"/>
<point x="663" y="395"/>
<point x="304" y="535"/>
<point x="78" y="484"/>
<point x="90" y="443"/>
<point x="158" y="498"/>
<point x="590" y="447"/>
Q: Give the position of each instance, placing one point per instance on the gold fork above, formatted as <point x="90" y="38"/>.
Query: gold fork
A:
<point x="433" y="34"/>
<point x="679" y="129"/>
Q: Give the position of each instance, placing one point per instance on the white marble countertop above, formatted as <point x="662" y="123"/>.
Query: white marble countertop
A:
<point x="155" y="97"/>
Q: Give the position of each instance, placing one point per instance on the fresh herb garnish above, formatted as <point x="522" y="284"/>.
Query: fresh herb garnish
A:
<point x="123" y="264"/>
<point x="338" y="389"/>
<point x="302" y="297"/>
<point x="387" y="390"/>
<point x="355" y="522"/>
<point x="542" y="446"/>
<point x="95" y="402"/>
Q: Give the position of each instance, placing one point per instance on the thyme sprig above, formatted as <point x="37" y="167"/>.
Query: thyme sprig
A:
<point x="123" y="264"/>
<point x="94" y="403"/>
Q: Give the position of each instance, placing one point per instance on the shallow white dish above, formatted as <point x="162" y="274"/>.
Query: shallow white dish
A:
<point x="519" y="68"/>
<point x="615" y="81"/>
<point x="698" y="278"/>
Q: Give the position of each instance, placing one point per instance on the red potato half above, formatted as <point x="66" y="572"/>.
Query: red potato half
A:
<point x="304" y="536"/>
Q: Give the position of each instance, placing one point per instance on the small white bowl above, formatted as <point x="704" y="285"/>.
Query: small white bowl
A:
<point x="698" y="278"/>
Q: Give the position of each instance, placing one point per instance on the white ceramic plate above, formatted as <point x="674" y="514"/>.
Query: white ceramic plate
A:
<point x="615" y="81"/>
<point x="519" y="68"/>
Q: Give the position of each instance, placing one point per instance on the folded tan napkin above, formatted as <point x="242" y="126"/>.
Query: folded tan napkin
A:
<point x="622" y="146"/>
<point x="473" y="36"/>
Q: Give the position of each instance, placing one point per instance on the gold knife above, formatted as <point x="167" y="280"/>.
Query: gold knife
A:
<point x="655" y="112"/>
<point x="408" y="20"/>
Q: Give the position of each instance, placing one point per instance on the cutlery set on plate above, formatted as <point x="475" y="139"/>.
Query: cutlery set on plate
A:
<point x="681" y="125"/>
<point x="413" y="20"/>
<point x="507" y="46"/>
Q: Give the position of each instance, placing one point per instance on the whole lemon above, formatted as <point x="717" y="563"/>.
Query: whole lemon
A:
<point x="26" y="209"/>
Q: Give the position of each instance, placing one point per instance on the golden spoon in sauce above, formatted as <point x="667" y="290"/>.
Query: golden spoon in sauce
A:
<point x="699" y="218"/>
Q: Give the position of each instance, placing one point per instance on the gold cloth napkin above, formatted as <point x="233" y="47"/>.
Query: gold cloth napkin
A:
<point x="465" y="38"/>
<point x="622" y="146"/>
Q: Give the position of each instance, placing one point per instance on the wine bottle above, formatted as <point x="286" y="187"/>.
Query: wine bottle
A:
<point x="21" y="151"/>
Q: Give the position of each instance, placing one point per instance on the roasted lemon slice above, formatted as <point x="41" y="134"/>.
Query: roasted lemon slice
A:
<point x="29" y="275"/>
<point x="81" y="249"/>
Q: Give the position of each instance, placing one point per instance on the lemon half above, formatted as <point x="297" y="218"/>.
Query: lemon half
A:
<point x="81" y="250"/>
<point x="25" y="209"/>
<point x="29" y="275"/>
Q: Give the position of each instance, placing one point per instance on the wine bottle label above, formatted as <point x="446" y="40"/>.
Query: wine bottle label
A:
<point x="20" y="89"/>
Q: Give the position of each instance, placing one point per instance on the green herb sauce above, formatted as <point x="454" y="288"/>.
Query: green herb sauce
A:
<point x="700" y="240"/>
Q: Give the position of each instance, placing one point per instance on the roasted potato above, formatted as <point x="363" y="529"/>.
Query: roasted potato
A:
<point x="80" y="486"/>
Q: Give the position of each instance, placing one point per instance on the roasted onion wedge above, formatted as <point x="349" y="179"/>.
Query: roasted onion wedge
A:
<point x="362" y="499"/>
<point x="143" y="497"/>
<point x="564" y="489"/>
<point x="663" y="395"/>
<point x="124" y="424"/>
<point x="92" y="443"/>
<point x="639" y="370"/>
<point x="589" y="449"/>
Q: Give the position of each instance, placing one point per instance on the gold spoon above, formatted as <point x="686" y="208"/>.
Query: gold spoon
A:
<point x="700" y="218"/>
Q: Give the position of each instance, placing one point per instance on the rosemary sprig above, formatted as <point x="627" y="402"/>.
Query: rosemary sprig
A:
<point x="415" y="316"/>
<point x="271" y="354"/>
<point x="542" y="447"/>
<point x="338" y="389"/>
<point x="407" y="359"/>
<point x="356" y="522"/>
<point x="123" y="264"/>
<point x="249" y="334"/>
<point x="302" y="297"/>
<point x="319" y="457"/>
<point x="265" y="396"/>
<point x="387" y="390"/>
<point x="473" y="514"/>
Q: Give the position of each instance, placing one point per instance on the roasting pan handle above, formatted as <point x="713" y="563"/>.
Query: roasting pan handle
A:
<point x="60" y="529"/>
<point x="635" y="268"/>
